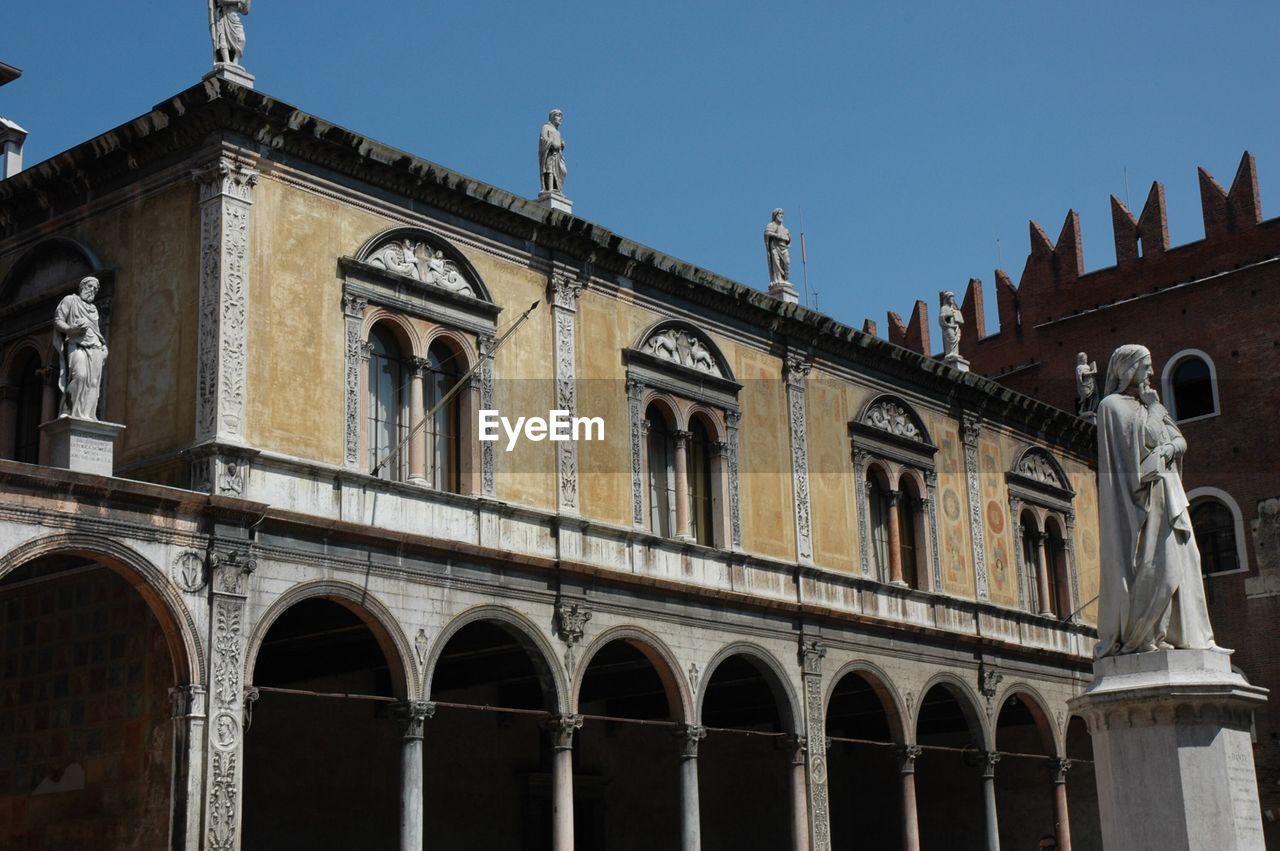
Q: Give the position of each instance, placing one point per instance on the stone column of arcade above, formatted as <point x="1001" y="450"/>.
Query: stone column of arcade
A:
<point x="688" y="736"/>
<point x="798" y="746"/>
<point x="413" y="713"/>
<point x="1061" y="817"/>
<point x="561" y="729"/>
<point x="417" y="440"/>
<point x="987" y="763"/>
<point x="907" y="755"/>
<point x="682" y="485"/>
<point x="895" y="540"/>
<point x="1042" y="573"/>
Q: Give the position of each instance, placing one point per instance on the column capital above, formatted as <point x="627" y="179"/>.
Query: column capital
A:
<point x="687" y="737"/>
<point x="187" y="701"/>
<point x="681" y="438"/>
<point x="1059" y="767"/>
<point x="798" y="746"/>
<point x="353" y="306"/>
<point x="230" y="568"/>
<point x="561" y="729"/>
<point x="987" y="763"/>
<point x="895" y="496"/>
<point x="224" y="176"/>
<point x="907" y="756"/>
<point x="413" y="713"/>
<point x="812" y="653"/>
<point x="418" y="365"/>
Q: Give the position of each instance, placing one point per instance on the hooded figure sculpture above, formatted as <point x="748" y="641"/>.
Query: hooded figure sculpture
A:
<point x="1152" y="594"/>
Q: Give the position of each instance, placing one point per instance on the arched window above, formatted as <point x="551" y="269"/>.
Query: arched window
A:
<point x="662" y="474"/>
<point x="878" y="497"/>
<point x="1059" y="580"/>
<point x="910" y="531"/>
<point x="29" y="398"/>
<point x="1190" y="386"/>
<point x="443" y="425"/>
<point x="1215" y="530"/>
<point x="1031" y="559"/>
<point x="388" y="406"/>
<point x="701" y="490"/>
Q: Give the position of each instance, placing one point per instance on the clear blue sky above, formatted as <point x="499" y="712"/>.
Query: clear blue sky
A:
<point x="912" y="135"/>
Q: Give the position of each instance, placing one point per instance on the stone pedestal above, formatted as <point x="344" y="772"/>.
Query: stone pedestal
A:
<point x="556" y="201"/>
<point x="85" y="446"/>
<point x="956" y="362"/>
<point x="232" y="72"/>
<point x="783" y="291"/>
<point x="1171" y="743"/>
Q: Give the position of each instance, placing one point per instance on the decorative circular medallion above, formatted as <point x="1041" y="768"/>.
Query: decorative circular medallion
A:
<point x="188" y="571"/>
<point x="226" y="731"/>
<point x="995" y="517"/>
<point x="818" y="768"/>
<point x="951" y="504"/>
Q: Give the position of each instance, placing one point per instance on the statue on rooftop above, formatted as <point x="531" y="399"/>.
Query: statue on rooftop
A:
<point x="82" y="351"/>
<point x="777" y="246"/>
<point x="1152" y="592"/>
<point x="227" y="30"/>
<point x="950" y="318"/>
<point x="551" y="163"/>
<point x="1086" y="385"/>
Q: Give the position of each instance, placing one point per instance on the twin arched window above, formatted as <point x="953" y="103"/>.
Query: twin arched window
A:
<point x="413" y="428"/>
<point x="1045" y="564"/>
<point x="898" y="525"/>
<point x="684" y="479"/>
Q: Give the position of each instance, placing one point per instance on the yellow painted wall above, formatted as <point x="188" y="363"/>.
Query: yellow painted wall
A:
<point x="832" y="403"/>
<point x="1085" y="543"/>
<point x="995" y="456"/>
<point x="768" y="510"/>
<point x="955" y="548"/>
<point x="603" y="331"/>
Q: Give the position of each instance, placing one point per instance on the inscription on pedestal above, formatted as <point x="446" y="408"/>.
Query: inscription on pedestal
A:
<point x="85" y="446"/>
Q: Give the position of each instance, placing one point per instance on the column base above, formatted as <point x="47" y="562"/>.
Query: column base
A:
<point x="1171" y="743"/>
<point x="82" y="446"/>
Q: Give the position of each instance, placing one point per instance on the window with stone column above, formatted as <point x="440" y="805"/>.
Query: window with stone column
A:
<point x="684" y="436"/>
<point x="1040" y="497"/>
<point x="420" y="335"/>
<point x="29" y="296"/>
<point x="896" y="506"/>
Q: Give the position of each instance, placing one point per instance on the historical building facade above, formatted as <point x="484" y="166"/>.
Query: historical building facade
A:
<point x="807" y="588"/>
<point x="1208" y="313"/>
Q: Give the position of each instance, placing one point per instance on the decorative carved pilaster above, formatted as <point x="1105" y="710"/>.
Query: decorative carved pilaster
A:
<point x="413" y="713"/>
<point x="732" y="420"/>
<point x="353" y="316"/>
<point x="487" y="344"/>
<point x="860" y="459"/>
<point x="635" y="394"/>
<point x="907" y="756"/>
<point x="796" y="372"/>
<point x="970" y="430"/>
<point x="225" y="192"/>
<point x="812" y="652"/>
<point x="931" y="505"/>
<point x="224" y="761"/>
<point x="563" y="292"/>
<point x="561" y="729"/>
<point x="687" y="737"/>
<point x="1015" y="521"/>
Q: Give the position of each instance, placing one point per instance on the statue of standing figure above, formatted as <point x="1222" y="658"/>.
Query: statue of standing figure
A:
<point x="1152" y="592"/>
<point x="777" y="246"/>
<point x="82" y="351"/>
<point x="227" y="30"/>
<point x="1086" y="385"/>
<point x="950" y="318"/>
<point x="551" y="164"/>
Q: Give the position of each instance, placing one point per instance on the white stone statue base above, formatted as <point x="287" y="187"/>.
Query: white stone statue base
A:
<point x="232" y="72"/>
<point x="84" y="446"/>
<point x="1172" y="751"/>
<point x="784" y="291"/>
<point x="555" y="200"/>
<point x="956" y="362"/>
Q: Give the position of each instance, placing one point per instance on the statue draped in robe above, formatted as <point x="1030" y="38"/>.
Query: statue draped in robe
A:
<point x="82" y="351"/>
<point x="777" y="246"/>
<point x="950" y="318"/>
<point x="1152" y="591"/>
<point x="227" y="29"/>
<point x="551" y="162"/>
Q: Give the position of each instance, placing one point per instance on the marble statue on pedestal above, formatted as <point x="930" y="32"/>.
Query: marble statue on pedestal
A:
<point x="950" y="318"/>
<point x="1152" y="591"/>
<point x="551" y="164"/>
<point x="227" y="30"/>
<point x="777" y="246"/>
<point x="82" y="351"/>
<point x="1086" y="385"/>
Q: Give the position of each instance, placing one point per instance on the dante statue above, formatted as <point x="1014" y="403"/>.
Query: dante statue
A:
<point x="777" y="246"/>
<point x="1152" y="592"/>
<point x="227" y="30"/>
<point x="82" y="352"/>
<point x="1086" y="384"/>
<point x="551" y="154"/>
<point x="950" y="318"/>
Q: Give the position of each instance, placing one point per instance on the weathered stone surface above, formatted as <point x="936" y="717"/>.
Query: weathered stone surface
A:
<point x="85" y="446"/>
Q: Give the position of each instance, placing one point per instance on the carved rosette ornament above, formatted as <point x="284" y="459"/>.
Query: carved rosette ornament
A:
<point x="970" y="430"/>
<point x="487" y="344"/>
<point x="564" y="293"/>
<point x="812" y="652"/>
<point x="353" y="316"/>
<point x="226" y="698"/>
<point x="797" y="371"/>
<point x="226" y="194"/>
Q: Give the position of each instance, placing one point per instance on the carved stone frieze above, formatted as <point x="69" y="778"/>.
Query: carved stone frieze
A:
<point x="415" y="259"/>
<point x="888" y="415"/>
<point x="1036" y="465"/>
<point x="486" y="345"/>
<point x="353" y="308"/>
<point x="684" y="347"/>
<point x="797" y="370"/>
<point x="732" y="419"/>
<point x="564" y="292"/>
<point x="860" y="459"/>
<point x="931" y="506"/>
<point x="225" y="192"/>
<point x="635" y="395"/>
<point x="811" y="655"/>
